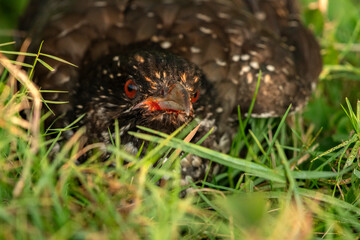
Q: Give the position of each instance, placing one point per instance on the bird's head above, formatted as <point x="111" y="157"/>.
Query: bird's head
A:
<point x="149" y="88"/>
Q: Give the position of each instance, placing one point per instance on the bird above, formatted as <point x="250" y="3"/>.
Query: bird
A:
<point x="163" y="63"/>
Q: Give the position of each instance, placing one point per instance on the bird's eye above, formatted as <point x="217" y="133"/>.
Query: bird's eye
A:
<point x="130" y="88"/>
<point x="195" y="96"/>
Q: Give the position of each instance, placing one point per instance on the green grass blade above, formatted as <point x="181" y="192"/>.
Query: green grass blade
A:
<point x="281" y="124"/>
<point x="226" y="160"/>
<point x="46" y="65"/>
<point x="57" y="59"/>
<point x="18" y="53"/>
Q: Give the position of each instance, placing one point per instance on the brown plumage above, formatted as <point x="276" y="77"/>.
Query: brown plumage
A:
<point x="144" y="62"/>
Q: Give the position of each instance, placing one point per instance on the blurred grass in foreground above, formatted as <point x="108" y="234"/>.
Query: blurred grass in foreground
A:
<point x="298" y="179"/>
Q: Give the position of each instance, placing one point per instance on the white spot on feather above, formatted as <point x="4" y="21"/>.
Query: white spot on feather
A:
<point x="313" y="86"/>
<point x="220" y="62"/>
<point x="219" y="110"/>
<point x="195" y="49"/>
<point x="223" y="15"/>
<point x="245" y="57"/>
<point x="165" y="44"/>
<point x="244" y="69"/>
<point x="130" y="148"/>
<point x="203" y="17"/>
<point x="155" y="38"/>
<point x="249" y="78"/>
<point x="254" y="53"/>
<point x="254" y="65"/>
<point x="270" y="68"/>
<point x="100" y="4"/>
<point x="196" y="161"/>
<point x="205" y="30"/>
<point x="235" y="81"/>
<point x="263" y="115"/>
<point x="236" y="58"/>
<point x="267" y="79"/>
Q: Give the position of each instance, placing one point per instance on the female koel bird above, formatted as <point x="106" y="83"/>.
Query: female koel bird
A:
<point x="159" y="64"/>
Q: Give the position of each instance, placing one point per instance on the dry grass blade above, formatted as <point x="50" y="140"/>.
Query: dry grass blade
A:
<point x="21" y="76"/>
<point x="34" y="125"/>
<point x="323" y="6"/>
<point x="24" y="47"/>
<point x="294" y="224"/>
<point x="189" y="137"/>
<point x="7" y="44"/>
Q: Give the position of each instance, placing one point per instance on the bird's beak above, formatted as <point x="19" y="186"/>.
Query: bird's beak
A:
<point x="176" y="100"/>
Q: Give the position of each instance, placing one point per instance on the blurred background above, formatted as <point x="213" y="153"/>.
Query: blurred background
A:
<point x="10" y="11"/>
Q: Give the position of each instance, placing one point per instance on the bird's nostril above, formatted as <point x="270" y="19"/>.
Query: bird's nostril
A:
<point x="162" y="92"/>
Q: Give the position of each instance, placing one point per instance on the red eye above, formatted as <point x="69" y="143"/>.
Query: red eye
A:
<point x="130" y="88"/>
<point x="195" y="97"/>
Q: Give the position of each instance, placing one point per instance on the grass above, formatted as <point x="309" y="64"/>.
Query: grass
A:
<point x="298" y="177"/>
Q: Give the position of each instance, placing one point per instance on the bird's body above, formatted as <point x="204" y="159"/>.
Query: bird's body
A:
<point x="159" y="64"/>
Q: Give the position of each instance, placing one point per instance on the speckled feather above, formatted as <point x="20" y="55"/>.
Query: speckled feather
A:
<point x="223" y="43"/>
